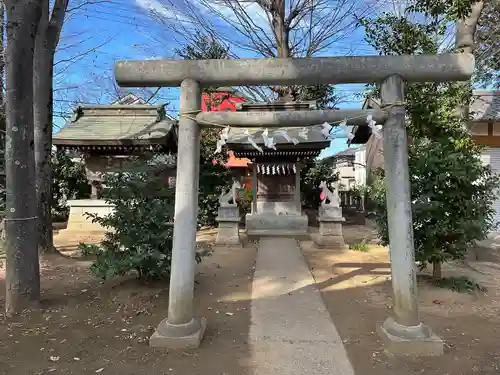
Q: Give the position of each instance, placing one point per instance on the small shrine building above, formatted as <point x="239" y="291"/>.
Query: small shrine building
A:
<point x="107" y="136"/>
<point x="276" y="207"/>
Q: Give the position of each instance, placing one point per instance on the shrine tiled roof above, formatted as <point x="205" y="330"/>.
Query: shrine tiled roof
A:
<point x="99" y="125"/>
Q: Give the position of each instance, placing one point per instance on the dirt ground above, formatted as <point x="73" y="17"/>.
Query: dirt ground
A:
<point x="356" y="289"/>
<point x="88" y="326"/>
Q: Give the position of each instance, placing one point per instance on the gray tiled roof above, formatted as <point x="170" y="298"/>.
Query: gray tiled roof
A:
<point x="237" y="135"/>
<point x="349" y="153"/>
<point x="485" y="105"/>
<point x="130" y="99"/>
<point x="117" y="122"/>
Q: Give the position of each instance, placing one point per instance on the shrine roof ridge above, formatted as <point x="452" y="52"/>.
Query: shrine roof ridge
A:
<point x="117" y="125"/>
<point x="295" y="71"/>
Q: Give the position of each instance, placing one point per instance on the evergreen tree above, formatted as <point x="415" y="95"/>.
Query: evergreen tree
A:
<point x="452" y="191"/>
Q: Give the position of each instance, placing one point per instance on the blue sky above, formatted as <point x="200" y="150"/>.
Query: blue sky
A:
<point x="96" y="36"/>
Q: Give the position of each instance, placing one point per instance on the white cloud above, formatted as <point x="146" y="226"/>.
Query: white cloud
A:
<point x="166" y="11"/>
<point x="256" y="13"/>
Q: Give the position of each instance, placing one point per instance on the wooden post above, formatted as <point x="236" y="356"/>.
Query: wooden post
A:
<point x="254" y="188"/>
<point x="298" y="167"/>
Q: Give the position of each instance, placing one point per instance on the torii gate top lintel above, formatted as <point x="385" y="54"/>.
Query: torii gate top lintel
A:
<point x="295" y="71"/>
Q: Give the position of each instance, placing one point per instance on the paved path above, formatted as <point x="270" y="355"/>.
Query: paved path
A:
<point x="291" y="331"/>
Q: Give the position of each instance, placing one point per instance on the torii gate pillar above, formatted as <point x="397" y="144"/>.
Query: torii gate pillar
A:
<point x="401" y="333"/>
<point x="181" y="329"/>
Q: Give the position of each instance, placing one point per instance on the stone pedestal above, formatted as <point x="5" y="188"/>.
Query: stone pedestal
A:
<point x="78" y="220"/>
<point x="402" y="340"/>
<point x="178" y="336"/>
<point x="229" y="220"/>
<point x="330" y="228"/>
<point x="271" y="224"/>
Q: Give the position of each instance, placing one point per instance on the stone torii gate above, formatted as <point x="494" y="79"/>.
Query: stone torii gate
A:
<point x="403" y="332"/>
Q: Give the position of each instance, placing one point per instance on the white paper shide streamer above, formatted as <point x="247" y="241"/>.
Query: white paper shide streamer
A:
<point x="285" y="135"/>
<point x="304" y="133"/>
<point x="374" y="127"/>
<point x="252" y="142"/>
<point x="326" y="130"/>
<point x="224" y="136"/>
<point x="268" y="141"/>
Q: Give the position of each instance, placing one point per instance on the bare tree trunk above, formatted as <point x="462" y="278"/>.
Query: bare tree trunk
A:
<point x="464" y="42"/>
<point x="282" y="36"/>
<point x="436" y="271"/>
<point x="47" y="39"/>
<point x="466" y="29"/>
<point x="23" y="269"/>
<point x="2" y="98"/>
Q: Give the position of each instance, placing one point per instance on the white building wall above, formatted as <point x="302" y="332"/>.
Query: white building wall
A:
<point x="360" y="167"/>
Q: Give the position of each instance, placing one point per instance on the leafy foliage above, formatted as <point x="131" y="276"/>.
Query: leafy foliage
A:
<point x="245" y="198"/>
<point x="459" y="284"/>
<point x="326" y="96"/>
<point x="141" y="225"/>
<point x="214" y="177"/>
<point x="312" y="174"/>
<point x="452" y="197"/>
<point x="361" y="247"/>
<point x="452" y="191"/>
<point x="69" y="181"/>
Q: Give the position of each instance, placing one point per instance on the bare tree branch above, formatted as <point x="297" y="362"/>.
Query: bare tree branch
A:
<point x="267" y="28"/>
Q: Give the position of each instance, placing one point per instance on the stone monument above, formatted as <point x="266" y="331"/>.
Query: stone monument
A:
<point x="229" y="217"/>
<point x="330" y="219"/>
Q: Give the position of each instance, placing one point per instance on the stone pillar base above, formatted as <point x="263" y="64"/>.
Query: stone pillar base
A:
<point x="413" y="341"/>
<point x="185" y="336"/>
<point x="78" y="220"/>
<point x="228" y="233"/>
<point x="330" y="233"/>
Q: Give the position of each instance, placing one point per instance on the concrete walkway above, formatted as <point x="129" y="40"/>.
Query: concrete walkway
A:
<point x="291" y="331"/>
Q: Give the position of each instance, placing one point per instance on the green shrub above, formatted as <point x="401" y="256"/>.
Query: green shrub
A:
<point x="69" y="181"/>
<point x="460" y="284"/>
<point x="214" y="177"/>
<point x="141" y="226"/>
<point x="452" y="200"/>
<point x="88" y="250"/>
<point x="245" y="197"/>
<point x="311" y="175"/>
<point x="362" y="247"/>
